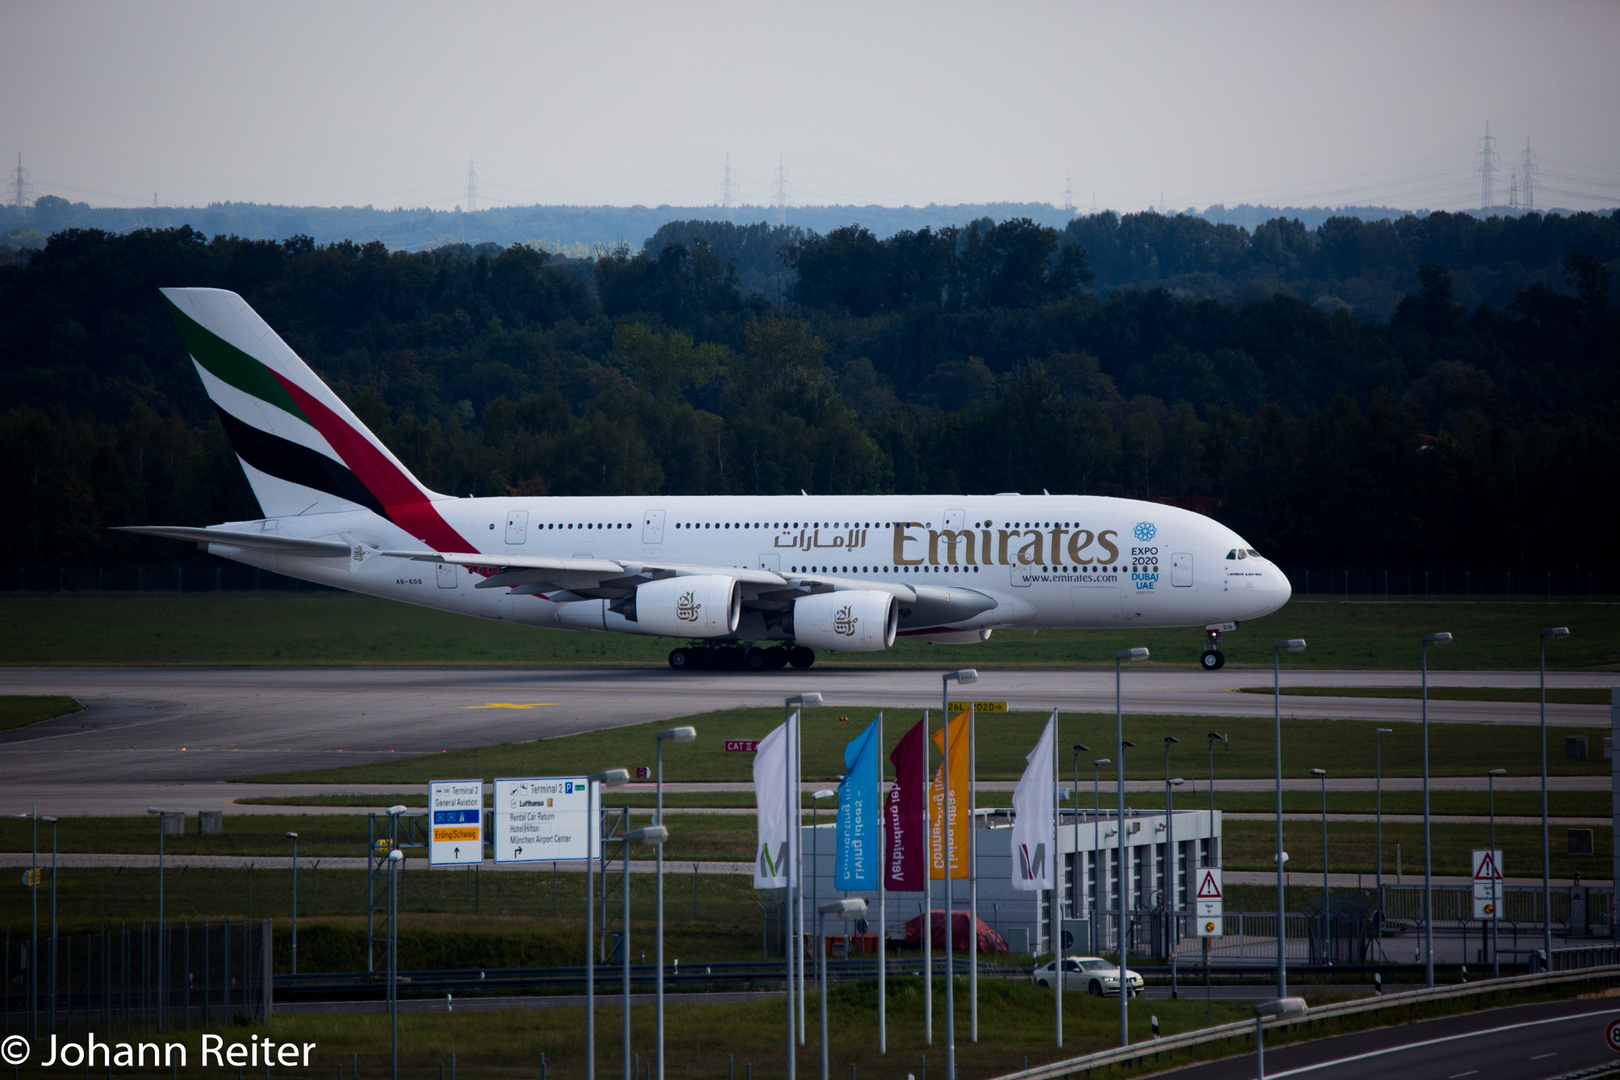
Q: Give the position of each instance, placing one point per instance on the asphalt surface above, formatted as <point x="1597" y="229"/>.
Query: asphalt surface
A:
<point x="1526" y="1042"/>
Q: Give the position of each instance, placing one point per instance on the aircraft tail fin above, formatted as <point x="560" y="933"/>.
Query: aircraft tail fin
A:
<point x="301" y="447"/>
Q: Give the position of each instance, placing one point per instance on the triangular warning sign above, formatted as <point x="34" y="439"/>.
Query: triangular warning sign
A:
<point x="1487" y="869"/>
<point x="1208" y="887"/>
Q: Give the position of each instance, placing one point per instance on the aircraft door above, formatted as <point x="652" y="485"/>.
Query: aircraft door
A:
<point x="517" y="526"/>
<point x="652" y="527"/>
<point x="1181" y="569"/>
<point x="448" y="575"/>
<point x="954" y="518"/>
<point x="770" y="560"/>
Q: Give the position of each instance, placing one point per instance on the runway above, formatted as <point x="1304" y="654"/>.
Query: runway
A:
<point x="150" y="729"/>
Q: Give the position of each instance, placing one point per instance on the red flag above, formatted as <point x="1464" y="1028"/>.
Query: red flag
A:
<point x="904" y="865"/>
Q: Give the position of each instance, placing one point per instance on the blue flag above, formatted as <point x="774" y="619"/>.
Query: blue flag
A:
<point x="860" y="812"/>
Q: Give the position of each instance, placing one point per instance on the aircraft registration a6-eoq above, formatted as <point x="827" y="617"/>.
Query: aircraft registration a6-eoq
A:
<point x="744" y="581"/>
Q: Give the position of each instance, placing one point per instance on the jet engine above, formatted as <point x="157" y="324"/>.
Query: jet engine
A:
<point x="700" y="606"/>
<point x="854" y="620"/>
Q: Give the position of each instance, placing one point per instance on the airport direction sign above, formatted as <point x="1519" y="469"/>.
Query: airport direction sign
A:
<point x="1487" y="883"/>
<point x="1209" y="896"/>
<point x="457" y="808"/>
<point x="544" y="818"/>
<point x="978" y="706"/>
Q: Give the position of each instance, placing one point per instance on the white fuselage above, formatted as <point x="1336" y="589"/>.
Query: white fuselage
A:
<point x="1046" y="560"/>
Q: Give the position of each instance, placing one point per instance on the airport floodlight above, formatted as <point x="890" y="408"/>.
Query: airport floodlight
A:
<point x="1176" y="781"/>
<point x="1556" y="632"/>
<point x="679" y="734"/>
<point x="154" y="810"/>
<point x="1127" y="744"/>
<point x="1102" y="761"/>
<point x="1443" y="638"/>
<point x="1384" y="730"/>
<point x="291" y="835"/>
<point x="652" y="834"/>
<point x="1171" y="740"/>
<point x="395" y="811"/>
<point x="1131" y="654"/>
<point x="1212" y="736"/>
<point x="611" y="777"/>
<point x="1081" y="748"/>
<point x="1291" y="645"/>
<point x="964" y="675"/>
<point x="1318" y="772"/>
<point x="848" y="909"/>
<point x="396" y="856"/>
<point x="824" y="793"/>
<point x="804" y="700"/>
<point x="1497" y="772"/>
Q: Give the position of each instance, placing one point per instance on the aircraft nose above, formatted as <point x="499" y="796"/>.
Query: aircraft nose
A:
<point x="1282" y="590"/>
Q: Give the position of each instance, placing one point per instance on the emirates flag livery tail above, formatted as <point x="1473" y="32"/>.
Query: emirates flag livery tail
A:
<point x="303" y="450"/>
<point x="741" y="581"/>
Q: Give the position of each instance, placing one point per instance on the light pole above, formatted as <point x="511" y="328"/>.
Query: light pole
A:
<point x="1546" y="857"/>
<point x="656" y="835"/>
<point x="593" y="847"/>
<point x="1321" y="774"/>
<point x="1075" y="905"/>
<point x="395" y="857"/>
<point x="794" y="915"/>
<point x="1496" y="890"/>
<point x="1441" y="638"/>
<point x="962" y="677"/>
<point x="1280" y="1008"/>
<point x="1170" y="863"/>
<point x="1096" y="853"/>
<point x="1277" y="649"/>
<point x="294" y="838"/>
<point x="1378" y="807"/>
<point x="675" y="735"/>
<point x="33" y="948"/>
<point x="848" y="909"/>
<point x="1212" y="736"/>
<point x="1133" y="655"/>
<point x="162" y="952"/>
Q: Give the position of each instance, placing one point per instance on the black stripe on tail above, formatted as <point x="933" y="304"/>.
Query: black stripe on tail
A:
<point x="287" y="460"/>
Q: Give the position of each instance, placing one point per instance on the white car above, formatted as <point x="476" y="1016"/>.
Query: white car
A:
<point x="1092" y="974"/>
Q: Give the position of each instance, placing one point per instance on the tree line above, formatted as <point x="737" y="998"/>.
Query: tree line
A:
<point x="969" y="360"/>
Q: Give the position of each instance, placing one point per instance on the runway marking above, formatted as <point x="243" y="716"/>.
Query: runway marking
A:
<point x="1538" y="1057"/>
<point x="1434" y="1042"/>
<point x="1459" y="1076"/>
<point x="510" y="705"/>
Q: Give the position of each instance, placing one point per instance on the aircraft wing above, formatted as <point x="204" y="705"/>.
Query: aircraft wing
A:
<point x="267" y="542"/>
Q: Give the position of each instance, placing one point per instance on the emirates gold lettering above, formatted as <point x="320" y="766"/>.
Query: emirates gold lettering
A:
<point x="1030" y="553"/>
<point x="844" y="622"/>
<point x="1110" y="549"/>
<point x="900" y="538"/>
<point x="1077" y="546"/>
<point x="953" y="537"/>
<point x="1003" y="547"/>
<point x="687" y="608"/>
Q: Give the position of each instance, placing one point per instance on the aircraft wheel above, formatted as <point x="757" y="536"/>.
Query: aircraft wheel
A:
<point x="702" y="658"/>
<point x="778" y="657"/>
<point x="681" y="659"/>
<point x="1213" y="660"/>
<point x="731" y="659"/>
<point x="757" y="659"/>
<point x="801" y="657"/>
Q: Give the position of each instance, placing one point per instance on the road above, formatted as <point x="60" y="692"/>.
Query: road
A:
<point x="151" y="735"/>
<point x="1527" y="1042"/>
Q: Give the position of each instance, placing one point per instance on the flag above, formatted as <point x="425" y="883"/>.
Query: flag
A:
<point x="903" y="815"/>
<point x="778" y="843"/>
<point x="860" y="823"/>
<point x="960" y="823"/>
<point x="1034" y="839"/>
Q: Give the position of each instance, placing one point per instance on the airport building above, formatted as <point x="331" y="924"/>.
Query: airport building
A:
<point x="1089" y="858"/>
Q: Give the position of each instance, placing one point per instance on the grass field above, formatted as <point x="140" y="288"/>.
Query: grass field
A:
<point x="1558" y="695"/>
<point x="1251" y="845"/>
<point x="20" y="710"/>
<point x="1345" y="747"/>
<point x="329" y="628"/>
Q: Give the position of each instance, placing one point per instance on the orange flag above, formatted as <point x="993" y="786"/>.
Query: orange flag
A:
<point x="960" y="820"/>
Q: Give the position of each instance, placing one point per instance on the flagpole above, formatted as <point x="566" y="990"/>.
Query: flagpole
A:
<point x="1056" y="930"/>
<point x="797" y="746"/>
<point x="883" y="905"/>
<point x="973" y="874"/>
<point x="789" y="943"/>
<point x="928" y="889"/>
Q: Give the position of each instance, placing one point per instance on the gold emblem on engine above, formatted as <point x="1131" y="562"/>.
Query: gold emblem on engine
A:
<point x="686" y="609"/>
<point x="844" y="622"/>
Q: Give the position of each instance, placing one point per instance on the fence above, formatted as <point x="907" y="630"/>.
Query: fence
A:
<point x="154" y="976"/>
<point x="1450" y="581"/>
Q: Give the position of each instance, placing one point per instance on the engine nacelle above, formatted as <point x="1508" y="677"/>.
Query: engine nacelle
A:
<point x="700" y="606"/>
<point x="855" y="620"/>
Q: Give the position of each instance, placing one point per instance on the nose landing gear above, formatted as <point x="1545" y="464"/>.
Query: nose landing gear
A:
<point x="1212" y="658"/>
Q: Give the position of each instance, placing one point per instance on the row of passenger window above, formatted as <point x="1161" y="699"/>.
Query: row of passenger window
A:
<point x="941" y="569"/>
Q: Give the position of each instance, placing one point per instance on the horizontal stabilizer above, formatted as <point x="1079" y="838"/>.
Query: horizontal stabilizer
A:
<point x="270" y="543"/>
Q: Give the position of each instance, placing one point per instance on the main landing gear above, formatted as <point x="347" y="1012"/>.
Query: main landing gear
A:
<point x="1212" y="658"/>
<point x="739" y="657"/>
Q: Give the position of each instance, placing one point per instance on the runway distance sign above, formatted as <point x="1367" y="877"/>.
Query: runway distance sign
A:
<point x="457" y="809"/>
<point x="544" y="818"/>
<point x="978" y="706"/>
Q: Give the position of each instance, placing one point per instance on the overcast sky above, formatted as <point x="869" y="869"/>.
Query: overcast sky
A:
<point x="1283" y="103"/>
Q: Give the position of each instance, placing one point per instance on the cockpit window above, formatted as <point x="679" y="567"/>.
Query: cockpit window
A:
<point x="1243" y="553"/>
<point x="1232" y="554"/>
<point x="1253" y="554"/>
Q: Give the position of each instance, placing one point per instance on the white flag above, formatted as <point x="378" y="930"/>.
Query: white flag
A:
<point x="774" y="857"/>
<point x="1034" y="839"/>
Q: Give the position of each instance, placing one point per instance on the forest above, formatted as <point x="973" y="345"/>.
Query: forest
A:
<point x="1475" y="425"/>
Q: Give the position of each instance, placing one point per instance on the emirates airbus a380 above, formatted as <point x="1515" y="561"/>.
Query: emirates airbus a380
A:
<point x="742" y="581"/>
